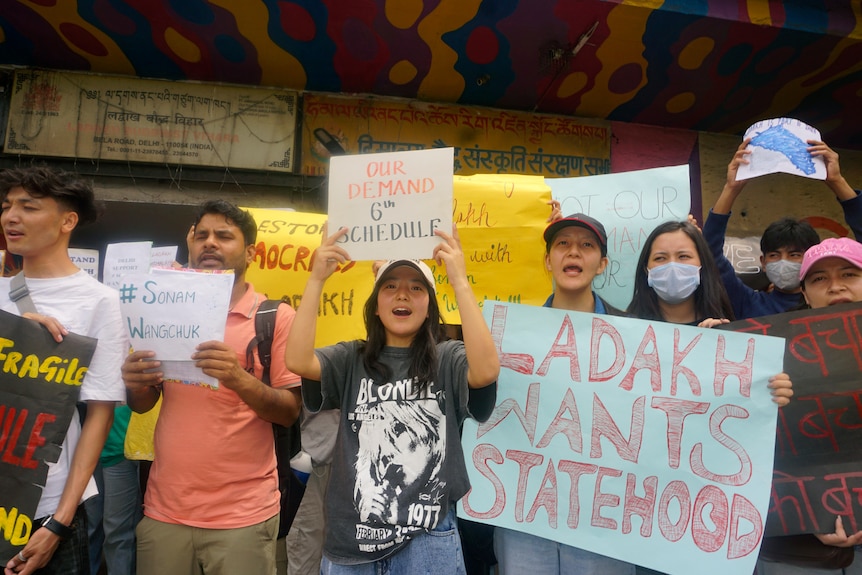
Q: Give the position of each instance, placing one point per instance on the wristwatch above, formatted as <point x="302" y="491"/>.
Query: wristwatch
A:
<point x="57" y="528"/>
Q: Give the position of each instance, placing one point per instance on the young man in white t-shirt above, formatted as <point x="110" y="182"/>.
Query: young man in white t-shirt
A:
<point x="40" y="209"/>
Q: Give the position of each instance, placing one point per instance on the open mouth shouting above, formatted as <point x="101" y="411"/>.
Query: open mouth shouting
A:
<point x="402" y="312"/>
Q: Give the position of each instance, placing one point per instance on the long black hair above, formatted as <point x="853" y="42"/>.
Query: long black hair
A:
<point x="710" y="298"/>
<point x="423" y="348"/>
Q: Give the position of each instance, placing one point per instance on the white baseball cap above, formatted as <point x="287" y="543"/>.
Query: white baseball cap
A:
<point x="417" y="265"/>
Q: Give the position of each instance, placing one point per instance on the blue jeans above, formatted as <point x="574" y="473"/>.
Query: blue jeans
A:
<point x="519" y="552"/>
<point x="113" y="516"/>
<point x="122" y="513"/>
<point x="432" y="553"/>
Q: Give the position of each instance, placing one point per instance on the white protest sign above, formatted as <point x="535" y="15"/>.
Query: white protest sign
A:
<point x="170" y="312"/>
<point x="123" y="259"/>
<point x="391" y="203"/>
<point x="629" y="205"/>
<point x="650" y="442"/>
<point x="781" y="145"/>
<point x="163" y="257"/>
<point x="87" y="260"/>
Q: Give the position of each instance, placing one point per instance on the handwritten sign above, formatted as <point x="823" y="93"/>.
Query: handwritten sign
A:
<point x="170" y="312"/>
<point x="645" y="441"/>
<point x="629" y="205"/>
<point x="500" y="220"/>
<point x="391" y="203"/>
<point x="818" y="474"/>
<point x="781" y="145"/>
<point x="163" y="256"/>
<point x="286" y="242"/>
<point x="40" y="381"/>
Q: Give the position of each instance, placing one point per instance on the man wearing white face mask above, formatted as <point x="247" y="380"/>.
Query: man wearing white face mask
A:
<point x="782" y="244"/>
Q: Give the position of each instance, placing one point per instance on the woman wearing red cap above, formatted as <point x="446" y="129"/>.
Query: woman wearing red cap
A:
<point x="576" y="251"/>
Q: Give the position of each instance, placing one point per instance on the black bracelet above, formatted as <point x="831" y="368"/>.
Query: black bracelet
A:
<point x="57" y="528"/>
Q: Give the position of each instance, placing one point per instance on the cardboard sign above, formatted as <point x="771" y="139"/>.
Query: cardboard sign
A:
<point x="391" y="203"/>
<point x="40" y="381"/>
<point x="646" y="441"/>
<point x="818" y="455"/>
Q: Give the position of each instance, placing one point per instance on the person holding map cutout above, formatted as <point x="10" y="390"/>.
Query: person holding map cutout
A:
<point x="782" y="243"/>
<point x="576" y="251"/>
<point x="398" y="466"/>
<point x="40" y="210"/>
<point x="212" y="502"/>
<point x="830" y="274"/>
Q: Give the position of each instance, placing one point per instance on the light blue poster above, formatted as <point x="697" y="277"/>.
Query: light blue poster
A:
<point x="645" y="441"/>
<point x="629" y="205"/>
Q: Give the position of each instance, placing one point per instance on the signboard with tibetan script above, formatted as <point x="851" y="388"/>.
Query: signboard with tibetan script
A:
<point x="114" y="118"/>
<point x="485" y="140"/>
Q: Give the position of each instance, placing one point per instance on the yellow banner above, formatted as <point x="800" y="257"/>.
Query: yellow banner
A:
<point x="285" y="245"/>
<point x="500" y="221"/>
<point x="485" y="140"/>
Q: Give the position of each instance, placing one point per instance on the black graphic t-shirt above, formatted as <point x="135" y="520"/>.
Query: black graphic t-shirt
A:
<point x="398" y="462"/>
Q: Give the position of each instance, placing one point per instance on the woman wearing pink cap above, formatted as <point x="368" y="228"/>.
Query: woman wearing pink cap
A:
<point x="831" y="274"/>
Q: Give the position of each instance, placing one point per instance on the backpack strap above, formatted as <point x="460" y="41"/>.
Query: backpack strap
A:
<point x="20" y="294"/>
<point x="264" y="329"/>
<point x="287" y="438"/>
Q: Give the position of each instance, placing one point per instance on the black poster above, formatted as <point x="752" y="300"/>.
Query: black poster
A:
<point x="40" y="381"/>
<point x="818" y="452"/>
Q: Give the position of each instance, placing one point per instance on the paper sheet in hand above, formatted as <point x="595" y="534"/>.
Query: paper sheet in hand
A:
<point x="170" y="312"/>
<point x="781" y="145"/>
<point x="391" y="203"/>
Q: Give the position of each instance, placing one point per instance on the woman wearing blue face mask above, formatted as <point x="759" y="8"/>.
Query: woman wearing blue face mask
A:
<point x="676" y="279"/>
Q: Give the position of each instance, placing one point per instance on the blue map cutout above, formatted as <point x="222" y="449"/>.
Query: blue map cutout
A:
<point x="777" y="139"/>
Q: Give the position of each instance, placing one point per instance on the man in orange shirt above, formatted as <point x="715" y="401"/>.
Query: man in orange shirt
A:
<point x="212" y="499"/>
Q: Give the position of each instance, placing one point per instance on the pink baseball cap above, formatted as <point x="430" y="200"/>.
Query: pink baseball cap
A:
<point x="844" y="248"/>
